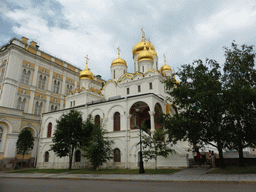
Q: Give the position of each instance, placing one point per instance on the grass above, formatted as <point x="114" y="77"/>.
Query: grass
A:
<point x="100" y="171"/>
<point x="40" y="171"/>
<point x="124" y="171"/>
<point x="234" y="170"/>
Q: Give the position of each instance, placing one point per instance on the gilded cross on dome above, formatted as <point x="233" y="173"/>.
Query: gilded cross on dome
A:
<point x="143" y="34"/>
<point x="87" y="59"/>
<point x="118" y="51"/>
<point x="164" y="59"/>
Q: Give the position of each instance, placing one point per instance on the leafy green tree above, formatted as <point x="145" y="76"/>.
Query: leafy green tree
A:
<point x="154" y="146"/>
<point x="25" y="143"/>
<point x="240" y="95"/>
<point x="69" y="135"/>
<point x="99" y="150"/>
<point x="199" y="96"/>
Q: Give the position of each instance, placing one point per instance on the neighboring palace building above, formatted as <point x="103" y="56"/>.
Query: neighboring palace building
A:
<point x="121" y="106"/>
<point x="32" y="82"/>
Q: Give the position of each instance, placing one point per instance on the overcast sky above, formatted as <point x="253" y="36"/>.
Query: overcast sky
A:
<point x="183" y="30"/>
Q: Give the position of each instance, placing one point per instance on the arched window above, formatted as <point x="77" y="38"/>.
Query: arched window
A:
<point x="42" y="81"/>
<point x="49" y="130"/>
<point x="27" y="78"/>
<point x="38" y="108"/>
<point x="46" y="156"/>
<point x="52" y="108"/>
<point x="114" y="74"/>
<point x="19" y="103"/>
<point x="1" y="135"/>
<point x="78" y="156"/>
<point x="97" y="120"/>
<point x="23" y="104"/>
<point x="117" y="155"/>
<point x="117" y="121"/>
<point x="2" y="74"/>
<point x="58" y="87"/>
<point x="23" y="76"/>
<point x="56" y="108"/>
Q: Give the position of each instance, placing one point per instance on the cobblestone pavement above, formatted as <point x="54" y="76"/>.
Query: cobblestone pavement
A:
<point x="187" y="175"/>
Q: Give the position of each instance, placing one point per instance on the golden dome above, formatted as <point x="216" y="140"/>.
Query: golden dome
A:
<point x="165" y="67"/>
<point x="140" y="46"/>
<point x="153" y="51"/>
<point x="86" y="74"/>
<point x="145" y="54"/>
<point x="119" y="61"/>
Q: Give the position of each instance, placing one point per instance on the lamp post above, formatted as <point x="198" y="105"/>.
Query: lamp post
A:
<point x="137" y="109"/>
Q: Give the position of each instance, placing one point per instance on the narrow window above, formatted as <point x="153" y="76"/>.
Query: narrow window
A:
<point x="117" y="121"/>
<point x="27" y="78"/>
<point x="23" y="76"/>
<point x="74" y="103"/>
<point x="49" y="130"/>
<point x="128" y="91"/>
<point x="97" y="120"/>
<point x="114" y="74"/>
<point x="117" y="155"/>
<point x="139" y="88"/>
<point x="46" y="156"/>
<point x="70" y="103"/>
<point x="78" y="156"/>
<point x="56" y="108"/>
<point x="19" y="103"/>
<point x="1" y="135"/>
<point x="142" y="68"/>
<point x="150" y="86"/>
<point x="23" y="104"/>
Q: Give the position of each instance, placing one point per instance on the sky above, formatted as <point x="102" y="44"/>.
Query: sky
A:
<point x="183" y="30"/>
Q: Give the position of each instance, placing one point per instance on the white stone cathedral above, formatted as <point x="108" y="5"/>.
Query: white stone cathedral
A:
<point x="113" y="106"/>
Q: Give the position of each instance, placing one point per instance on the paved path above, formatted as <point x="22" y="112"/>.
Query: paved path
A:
<point x="187" y="175"/>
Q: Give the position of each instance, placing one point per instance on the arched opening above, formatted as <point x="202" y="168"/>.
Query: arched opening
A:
<point x="46" y="157"/>
<point x="78" y="156"/>
<point x="97" y="120"/>
<point x="158" y="111"/>
<point x="139" y="112"/>
<point x="117" y="121"/>
<point x="117" y="155"/>
<point x="49" y="130"/>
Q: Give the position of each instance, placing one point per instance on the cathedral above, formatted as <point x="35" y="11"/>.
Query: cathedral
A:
<point x="37" y="88"/>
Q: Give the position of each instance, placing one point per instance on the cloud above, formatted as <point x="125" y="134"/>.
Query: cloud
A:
<point x="183" y="30"/>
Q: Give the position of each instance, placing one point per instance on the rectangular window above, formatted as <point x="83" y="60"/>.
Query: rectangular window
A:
<point x="127" y="91"/>
<point x="139" y="88"/>
<point x="150" y="86"/>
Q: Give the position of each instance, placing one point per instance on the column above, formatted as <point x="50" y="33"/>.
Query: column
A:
<point x="152" y="121"/>
<point x="31" y="101"/>
<point x="127" y="139"/>
<point x="50" y="81"/>
<point x="35" y="75"/>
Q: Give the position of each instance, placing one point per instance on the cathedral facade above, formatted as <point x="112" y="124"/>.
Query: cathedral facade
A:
<point x="124" y="103"/>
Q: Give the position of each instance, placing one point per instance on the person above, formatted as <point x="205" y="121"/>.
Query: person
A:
<point x="213" y="159"/>
<point x="203" y="154"/>
<point x="209" y="158"/>
<point x="198" y="157"/>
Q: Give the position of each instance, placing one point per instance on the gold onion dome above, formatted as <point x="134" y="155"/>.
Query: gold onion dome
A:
<point x="118" y="61"/>
<point x="145" y="55"/>
<point x="140" y="46"/>
<point x="86" y="74"/>
<point x="165" y="67"/>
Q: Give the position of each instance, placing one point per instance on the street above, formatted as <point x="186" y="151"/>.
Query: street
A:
<point x="63" y="185"/>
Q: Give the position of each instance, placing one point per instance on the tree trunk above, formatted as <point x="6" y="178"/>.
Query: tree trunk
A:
<point x="222" y="162"/>
<point x="241" y="156"/>
<point x="156" y="163"/>
<point x="22" y="160"/>
<point x="70" y="158"/>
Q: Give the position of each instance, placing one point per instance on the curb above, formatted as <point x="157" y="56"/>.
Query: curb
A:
<point x="137" y="180"/>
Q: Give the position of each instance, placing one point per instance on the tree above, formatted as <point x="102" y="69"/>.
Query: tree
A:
<point x="25" y="143"/>
<point x="240" y="95"/>
<point x="155" y="146"/>
<point x="69" y="135"/>
<point x="99" y="150"/>
<point x="199" y="96"/>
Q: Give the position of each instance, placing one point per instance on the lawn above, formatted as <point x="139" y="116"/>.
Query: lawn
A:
<point x="100" y="171"/>
<point x="234" y="170"/>
<point x="124" y="171"/>
<point x="40" y="171"/>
